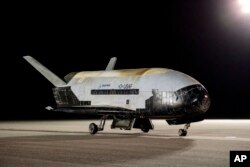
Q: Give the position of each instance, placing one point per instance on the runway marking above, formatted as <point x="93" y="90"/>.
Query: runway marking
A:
<point x="36" y="130"/>
<point x="230" y="137"/>
<point x="203" y="138"/>
<point x="54" y="132"/>
<point x="219" y="138"/>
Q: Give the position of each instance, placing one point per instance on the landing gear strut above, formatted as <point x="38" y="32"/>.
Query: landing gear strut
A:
<point x="93" y="128"/>
<point x="183" y="132"/>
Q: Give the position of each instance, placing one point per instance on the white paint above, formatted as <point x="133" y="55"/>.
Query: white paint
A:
<point x="230" y="137"/>
<point x="143" y="79"/>
<point x="53" y="78"/>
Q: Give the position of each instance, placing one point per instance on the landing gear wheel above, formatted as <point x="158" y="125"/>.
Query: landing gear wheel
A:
<point x="182" y="132"/>
<point x="93" y="128"/>
<point x="145" y="130"/>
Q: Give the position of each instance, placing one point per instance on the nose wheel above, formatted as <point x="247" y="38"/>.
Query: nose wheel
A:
<point x="183" y="132"/>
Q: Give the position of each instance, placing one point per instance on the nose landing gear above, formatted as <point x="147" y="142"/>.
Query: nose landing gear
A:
<point x="183" y="132"/>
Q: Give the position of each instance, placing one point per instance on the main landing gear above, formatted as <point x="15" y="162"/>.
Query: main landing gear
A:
<point x="183" y="132"/>
<point x="145" y="130"/>
<point x="93" y="128"/>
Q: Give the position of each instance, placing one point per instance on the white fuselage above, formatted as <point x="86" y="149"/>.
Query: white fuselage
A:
<point x="145" y="80"/>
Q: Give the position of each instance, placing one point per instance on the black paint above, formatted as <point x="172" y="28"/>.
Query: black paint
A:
<point x="115" y="91"/>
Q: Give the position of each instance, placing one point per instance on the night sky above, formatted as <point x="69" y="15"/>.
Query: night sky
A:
<point x="208" y="40"/>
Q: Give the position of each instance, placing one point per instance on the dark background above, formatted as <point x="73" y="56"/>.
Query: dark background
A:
<point x="208" y="40"/>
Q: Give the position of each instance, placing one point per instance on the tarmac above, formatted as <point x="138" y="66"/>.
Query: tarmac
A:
<point x="68" y="143"/>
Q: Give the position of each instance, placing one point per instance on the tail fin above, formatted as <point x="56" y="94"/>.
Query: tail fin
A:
<point x="54" y="79"/>
<point x="111" y="64"/>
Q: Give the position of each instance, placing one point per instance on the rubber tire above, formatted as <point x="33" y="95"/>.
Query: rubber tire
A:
<point x="145" y="130"/>
<point x="93" y="128"/>
<point x="182" y="132"/>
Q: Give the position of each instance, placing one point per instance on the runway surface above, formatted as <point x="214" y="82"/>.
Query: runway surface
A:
<point x="68" y="143"/>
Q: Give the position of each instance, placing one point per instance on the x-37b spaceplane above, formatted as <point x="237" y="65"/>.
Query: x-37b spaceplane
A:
<point x="131" y="97"/>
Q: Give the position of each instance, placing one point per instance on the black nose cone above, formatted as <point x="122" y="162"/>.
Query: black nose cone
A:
<point x="200" y="103"/>
<point x="195" y="98"/>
